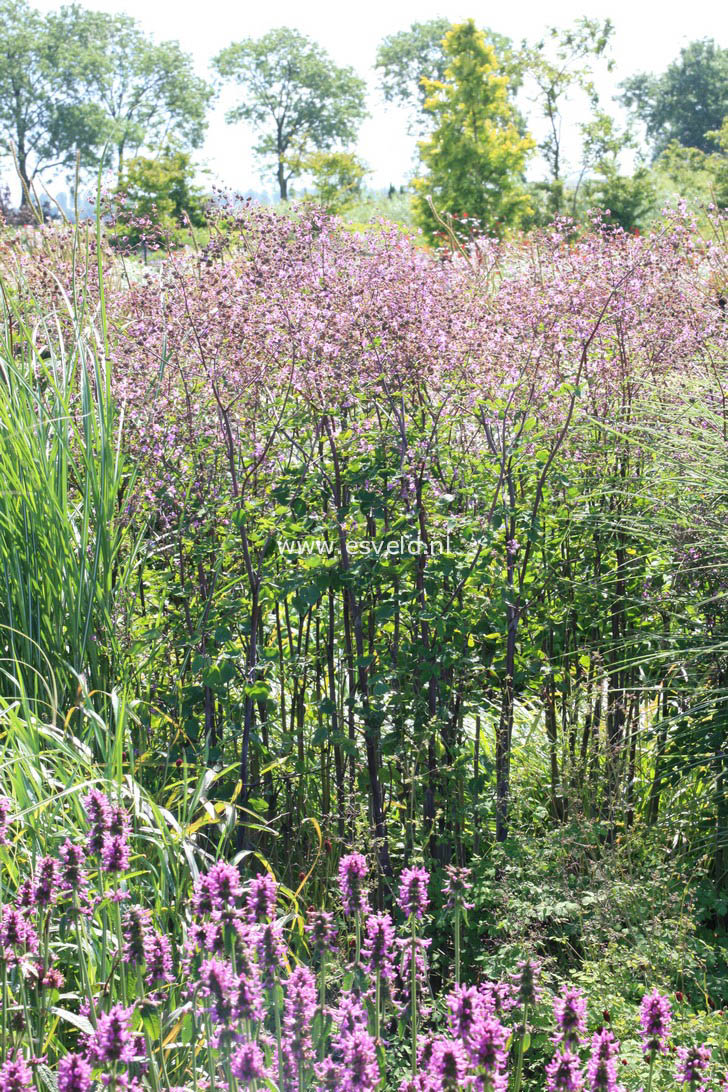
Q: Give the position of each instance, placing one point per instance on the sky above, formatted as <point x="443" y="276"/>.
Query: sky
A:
<point x="647" y="37"/>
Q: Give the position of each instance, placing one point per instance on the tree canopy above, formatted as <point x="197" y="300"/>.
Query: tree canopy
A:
<point x="75" y="81"/>
<point x="407" y="59"/>
<point x="294" y="95"/>
<point x="687" y="102"/>
<point x="43" y="117"/>
<point x="476" y="154"/>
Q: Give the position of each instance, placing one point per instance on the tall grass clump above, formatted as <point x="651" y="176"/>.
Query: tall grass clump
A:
<point x="64" y="562"/>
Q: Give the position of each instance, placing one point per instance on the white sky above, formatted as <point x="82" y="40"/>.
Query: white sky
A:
<point x="647" y="38"/>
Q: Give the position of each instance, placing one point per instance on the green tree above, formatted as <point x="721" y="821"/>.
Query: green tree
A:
<point x="143" y="92"/>
<point x="74" y="81"/>
<point x="557" y="66"/>
<point x="629" y="199"/>
<point x="476" y="154"/>
<point x="161" y="191"/>
<point x="406" y="59"/>
<point x="295" y="95"/>
<point x="43" y="117"/>
<point x="337" y="178"/>
<point x="686" y="102"/>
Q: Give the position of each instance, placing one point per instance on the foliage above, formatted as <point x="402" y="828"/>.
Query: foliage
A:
<point x="627" y="199"/>
<point x="475" y="155"/>
<point x="410" y="57"/>
<point x="157" y="198"/>
<point x="75" y="80"/>
<point x="42" y="113"/>
<point x="143" y="91"/>
<point x="168" y="977"/>
<point x="556" y="67"/>
<point x="294" y="93"/>
<point x="687" y="101"/>
<point x="67" y="555"/>
<point x="337" y="179"/>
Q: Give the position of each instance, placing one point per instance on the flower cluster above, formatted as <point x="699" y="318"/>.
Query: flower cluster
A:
<point x="256" y="1004"/>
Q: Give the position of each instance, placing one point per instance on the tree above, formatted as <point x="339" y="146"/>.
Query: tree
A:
<point x="410" y="57"/>
<point x="160" y="191"/>
<point x="557" y="66"/>
<point x="476" y="154"/>
<point x="686" y="102"/>
<point x="295" y="94"/>
<point x="627" y="199"/>
<point x="144" y="92"/>
<point x="75" y="80"/>
<point x="337" y="178"/>
<point x="42" y="116"/>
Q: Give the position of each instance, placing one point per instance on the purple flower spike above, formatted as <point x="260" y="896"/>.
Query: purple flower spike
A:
<point x="352" y="876"/>
<point x="322" y="931"/>
<point x="15" y="1074"/>
<point x="602" y="1066"/>
<point x="261" y="899"/>
<point x="655" y="1020"/>
<point x="413" y="897"/>
<point x="570" y="1013"/>
<point x="448" y="1064"/>
<point x="563" y="1073"/>
<point x="74" y="1074"/>
<point x="248" y="1064"/>
<point x="692" y="1063"/>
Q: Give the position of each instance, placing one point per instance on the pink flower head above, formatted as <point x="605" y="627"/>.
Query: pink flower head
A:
<point x="570" y="1013"/>
<point x="413" y="897"/>
<point x="248" y="1064"/>
<point x="352" y="877"/>
<point x="655" y="1021"/>
<point x="692" y="1063"/>
<point x="563" y="1073"/>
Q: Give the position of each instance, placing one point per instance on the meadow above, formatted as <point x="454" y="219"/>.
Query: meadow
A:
<point x="364" y="657"/>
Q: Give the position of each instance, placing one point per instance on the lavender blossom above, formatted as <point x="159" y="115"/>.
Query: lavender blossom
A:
<point x="456" y="888"/>
<point x="15" y="1074"/>
<point x="377" y="953"/>
<point x="692" y="1063"/>
<point x="260" y="902"/>
<point x="601" y="1069"/>
<point x="247" y="1064"/>
<point x="570" y="1014"/>
<point x="321" y="929"/>
<point x="5" y="809"/>
<point x="563" y="1072"/>
<point x="298" y="1013"/>
<point x="352" y="875"/>
<point x="655" y="1021"/>
<point x="112" y="1040"/>
<point x="359" y="1057"/>
<point x="486" y="1046"/>
<point x="464" y="1007"/>
<point x="449" y="1064"/>
<point x="74" y="1074"/>
<point x="136" y="929"/>
<point x="413" y="897"/>
<point x="158" y="958"/>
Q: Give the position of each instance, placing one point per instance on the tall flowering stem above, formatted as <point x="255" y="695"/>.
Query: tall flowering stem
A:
<point x="413" y="900"/>
<point x="456" y="887"/>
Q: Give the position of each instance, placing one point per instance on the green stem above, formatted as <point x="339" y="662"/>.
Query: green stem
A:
<point x="378" y="1006"/>
<point x="519" y="1057"/>
<point x="413" y="995"/>
<point x="457" y="946"/>
<point x="652" y="1068"/>
<point x="322" y="1005"/>
<point x="279" y="1036"/>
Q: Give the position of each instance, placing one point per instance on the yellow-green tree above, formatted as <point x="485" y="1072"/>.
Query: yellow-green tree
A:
<point x="476" y="155"/>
